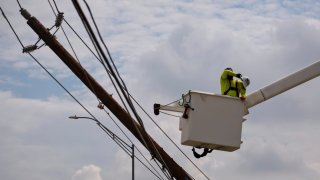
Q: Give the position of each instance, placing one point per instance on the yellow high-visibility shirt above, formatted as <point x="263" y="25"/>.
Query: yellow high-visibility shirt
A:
<point x="225" y="84"/>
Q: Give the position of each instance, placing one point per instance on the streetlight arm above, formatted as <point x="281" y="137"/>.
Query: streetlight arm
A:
<point x="104" y="128"/>
<point x="82" y="117"/>
<point x="126" y="147"/>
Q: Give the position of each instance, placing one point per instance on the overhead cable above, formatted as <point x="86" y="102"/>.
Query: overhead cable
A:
<point x="108" y="71"/>
<point x="85" y="21"/>
<point x="98" y="59"/>
<point x="92" y="36"/>
<point x="115" y="75"/>
<point x="109" y="132"/>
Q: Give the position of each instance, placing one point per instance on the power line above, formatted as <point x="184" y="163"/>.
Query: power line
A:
<point x="98" y="58"/>
<point x="109" y="73"/>
<point x="68" y="38"/>
<point x="132" y="96"/>
<point x="125" y="88"/>
<point x="89" y="30"/>
<point x="79" y="62"/>
<point x="75" y="54"/>
<point x="106" y="60"/>
<point x="106" y="69"/>
<point x="11" y="26"/>
<point x="109" y="132"/>
<point x="105" y="129"/>
<point x="128" y="137"/>
<point x="176" y="170"/>
<point x="55" y="4"/>
<point x="95" y="42"/>
<point x="19" y="4"/>
<point x="123" y="85"/>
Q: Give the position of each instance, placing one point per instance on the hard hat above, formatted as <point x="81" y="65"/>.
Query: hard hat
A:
<point x="228" y="68"/>
<point x="245" y="81"/>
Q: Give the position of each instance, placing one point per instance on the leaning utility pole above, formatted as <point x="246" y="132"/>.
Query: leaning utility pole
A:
<point x="157" y="152"/>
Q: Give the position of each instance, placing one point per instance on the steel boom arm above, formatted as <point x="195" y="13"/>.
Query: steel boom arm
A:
<point x="284" y="84"/>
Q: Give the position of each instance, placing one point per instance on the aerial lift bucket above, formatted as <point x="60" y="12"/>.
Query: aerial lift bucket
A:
<point x="215" y="122"/>
<point x="210" y="121"/>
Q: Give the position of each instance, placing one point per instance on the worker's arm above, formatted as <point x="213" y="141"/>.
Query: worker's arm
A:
<point x="242" y="90"/>
<point x="227" y="73"/>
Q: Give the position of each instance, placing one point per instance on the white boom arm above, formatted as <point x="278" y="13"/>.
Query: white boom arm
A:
<point x="284" y="84"/>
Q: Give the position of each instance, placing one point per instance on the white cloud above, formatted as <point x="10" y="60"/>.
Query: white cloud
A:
<point x="23" y="115"/>
<point x="89" y="172"/>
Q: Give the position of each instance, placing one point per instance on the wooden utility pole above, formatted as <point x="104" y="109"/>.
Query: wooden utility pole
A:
<point x="174" y="169"/>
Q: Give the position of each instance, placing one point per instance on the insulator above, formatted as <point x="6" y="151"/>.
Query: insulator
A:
<point x="25" y="13"/>
<point x="59" y="19"/>
<point x="29" y="48"/>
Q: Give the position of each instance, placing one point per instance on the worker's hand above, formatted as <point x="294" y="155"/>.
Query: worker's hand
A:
<point x="243" y="98"/>
<point x="239" y="75"/>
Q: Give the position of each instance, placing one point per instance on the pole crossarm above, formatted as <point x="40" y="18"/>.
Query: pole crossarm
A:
<point x="175" y="170"/>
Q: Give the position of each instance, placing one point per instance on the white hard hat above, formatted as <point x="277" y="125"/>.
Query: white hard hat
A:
<point x="245" y="81"/>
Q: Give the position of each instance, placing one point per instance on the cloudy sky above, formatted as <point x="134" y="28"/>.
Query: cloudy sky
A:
<point x="162" y="48"/>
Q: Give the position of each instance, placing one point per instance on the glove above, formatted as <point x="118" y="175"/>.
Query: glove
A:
<point x="239" y="75"/>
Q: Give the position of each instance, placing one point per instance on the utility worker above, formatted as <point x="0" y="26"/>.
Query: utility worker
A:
<point x="231" y="86"/>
